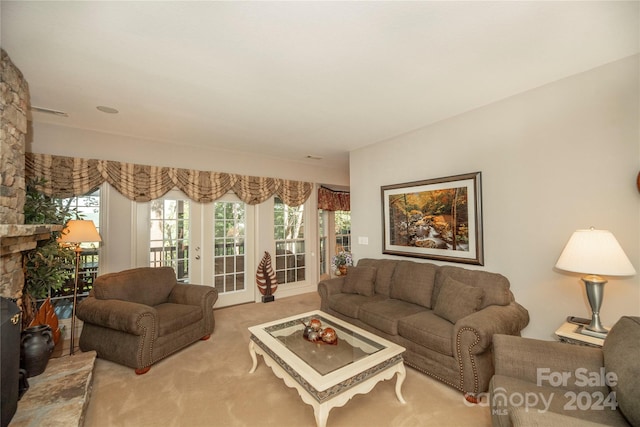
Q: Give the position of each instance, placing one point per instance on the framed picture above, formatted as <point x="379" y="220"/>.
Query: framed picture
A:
<point x="438" y="219"/>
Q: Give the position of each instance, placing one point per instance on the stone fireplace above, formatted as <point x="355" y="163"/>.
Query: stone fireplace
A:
<point x="15" y="236"/>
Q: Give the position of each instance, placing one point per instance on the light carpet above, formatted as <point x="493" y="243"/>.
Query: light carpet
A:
<point x="208" y="384"/>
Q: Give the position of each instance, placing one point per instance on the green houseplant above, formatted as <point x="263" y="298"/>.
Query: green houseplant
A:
<point x="49" y="265"/>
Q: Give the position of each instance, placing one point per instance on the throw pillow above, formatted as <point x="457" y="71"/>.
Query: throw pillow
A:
<point x="457" y="300"/>
<point x="360" y="280"/>
<point x="413" y="282"/>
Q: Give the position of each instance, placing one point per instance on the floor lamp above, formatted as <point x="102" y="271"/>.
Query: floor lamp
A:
<point x="76" y="232"/>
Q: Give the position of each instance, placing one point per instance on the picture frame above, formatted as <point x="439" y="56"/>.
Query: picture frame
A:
<point x="438" y="219"/>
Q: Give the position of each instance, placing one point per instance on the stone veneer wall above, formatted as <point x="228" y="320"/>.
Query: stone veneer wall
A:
<point x="14" y="105"/>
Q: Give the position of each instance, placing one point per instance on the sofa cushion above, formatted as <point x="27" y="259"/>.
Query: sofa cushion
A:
<point x="384" y="315"/>
<point x="384" y="273"/>
<point x="428" y="330"/>
<point x="496" y="286"/>
<point x="349" y="304"/>
<point x="457" y="300"/>
<point x="413" y="282"/>
<point x="173" y="317"/>
<point x="620" y="350"/>
<point x="360" y="280"/>
<point x="145" y="285"/>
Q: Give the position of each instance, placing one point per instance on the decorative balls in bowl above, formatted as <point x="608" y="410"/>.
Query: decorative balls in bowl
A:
<point x="329" y="335"/>
<point x="315" y="324"/>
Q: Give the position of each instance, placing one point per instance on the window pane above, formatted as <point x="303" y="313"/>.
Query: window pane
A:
<point x="289" y="242"/>
<point x="169" y="236"/>
<point x="229" y="226"/>
<point x="343" y="231"/>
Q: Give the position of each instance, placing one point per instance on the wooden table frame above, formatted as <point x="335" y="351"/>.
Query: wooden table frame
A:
<point x="325" y="392"/>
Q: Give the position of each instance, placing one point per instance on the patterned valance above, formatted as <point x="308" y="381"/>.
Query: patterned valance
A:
<point x="68" y="177"/>
<point x="330" y="200"/>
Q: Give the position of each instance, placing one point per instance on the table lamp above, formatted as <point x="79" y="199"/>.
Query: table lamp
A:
<point x="595" y="252"/>
<point x="76" y="232"/>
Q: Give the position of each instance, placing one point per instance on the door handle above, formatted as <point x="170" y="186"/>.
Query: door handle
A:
<point x="197" y="256"/>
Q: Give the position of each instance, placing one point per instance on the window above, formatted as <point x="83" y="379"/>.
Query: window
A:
<point x="169" y="236"/>
<point x="334" y="231"/>
<point x="343" y="230"/>
<point x="86" y="207"/>
<point x="289" y="240"/>
<point x="322" y="232"/>
<point x="229" y="246"/>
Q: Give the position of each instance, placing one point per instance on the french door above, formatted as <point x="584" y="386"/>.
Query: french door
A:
<point x="223" y="258"/>
<point x="207" y="244"/>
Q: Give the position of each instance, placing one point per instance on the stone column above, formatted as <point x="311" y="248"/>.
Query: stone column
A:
<point x="14" y="106"/>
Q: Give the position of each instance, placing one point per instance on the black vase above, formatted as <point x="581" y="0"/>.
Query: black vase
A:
<point x="36" y="345"/>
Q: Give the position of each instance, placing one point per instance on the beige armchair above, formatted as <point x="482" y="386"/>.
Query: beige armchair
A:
<point x="140" y="316"/>
<point x="550" y="383"/>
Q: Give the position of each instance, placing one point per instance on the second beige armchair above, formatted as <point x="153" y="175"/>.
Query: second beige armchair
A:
<point x="140" y="316"/>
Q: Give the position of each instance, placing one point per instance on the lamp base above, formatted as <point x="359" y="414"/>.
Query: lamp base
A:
<point x="595" y="292"/>
<point x="602" y="335"/>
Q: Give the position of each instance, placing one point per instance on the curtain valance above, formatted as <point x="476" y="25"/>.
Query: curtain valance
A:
<point x="333" y="200"/>
<point x="69" y="177"/>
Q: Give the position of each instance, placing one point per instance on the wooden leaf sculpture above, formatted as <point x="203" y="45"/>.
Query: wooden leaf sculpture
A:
<point x="47" y="316"/>
<point x="266" y="277"/>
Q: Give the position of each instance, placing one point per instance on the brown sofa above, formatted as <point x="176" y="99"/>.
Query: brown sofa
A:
<point x="550" y="383"/>
<point x="444" y="316"/>
<point x="137" y="317"/>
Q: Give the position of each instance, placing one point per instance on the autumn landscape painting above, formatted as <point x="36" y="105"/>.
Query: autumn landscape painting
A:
<point x="433" y="219"/>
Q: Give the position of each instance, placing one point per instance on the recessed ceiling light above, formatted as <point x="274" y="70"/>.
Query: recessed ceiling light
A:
<point x="312" y="157"/>
<point x="107" y="110"/>
<point x="49" y="111"/>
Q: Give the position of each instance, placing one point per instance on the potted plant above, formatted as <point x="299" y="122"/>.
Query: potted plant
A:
<point x="49" y="265"/>
<point x="340" y="262"/>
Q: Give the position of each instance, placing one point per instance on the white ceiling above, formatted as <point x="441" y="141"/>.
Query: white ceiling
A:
<point x="292" y="79"/>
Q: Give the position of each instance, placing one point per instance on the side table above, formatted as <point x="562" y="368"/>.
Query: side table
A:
<point x="572" y="334"/>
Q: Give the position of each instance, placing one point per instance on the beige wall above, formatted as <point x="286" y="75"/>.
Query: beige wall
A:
<point x="555" y="159"/>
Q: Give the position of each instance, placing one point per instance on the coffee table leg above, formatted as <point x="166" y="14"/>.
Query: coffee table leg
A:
<point x="402" y="373"/>
<point x="252" y="352"/>
<point x="321" y="412"/>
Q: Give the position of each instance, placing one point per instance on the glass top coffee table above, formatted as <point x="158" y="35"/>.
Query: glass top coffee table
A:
<point x="325" y="375"/>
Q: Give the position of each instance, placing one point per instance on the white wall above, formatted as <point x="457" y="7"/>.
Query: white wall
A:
<point x="48" y="138"/>
<point x="555" y="159"/>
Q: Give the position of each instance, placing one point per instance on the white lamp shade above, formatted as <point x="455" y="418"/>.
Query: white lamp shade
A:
<point x="595" y="252"/>
<point x="79" y="231"/>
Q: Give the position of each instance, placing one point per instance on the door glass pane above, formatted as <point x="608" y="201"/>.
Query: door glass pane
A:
<point x="289" y="240"/>
<point x="229" y="239"/>
<point x="169" y="236"/>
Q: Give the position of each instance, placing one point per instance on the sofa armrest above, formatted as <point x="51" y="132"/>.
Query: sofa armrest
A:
<point x="522" y="358"/>
<point x="125" y="316"/>
<point x="330" y="287"/>
<point x="193" y="295"/>
<point x="474" y="333"/>
<point x="199" y="295"/>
